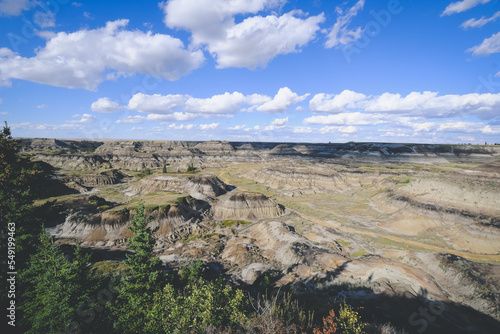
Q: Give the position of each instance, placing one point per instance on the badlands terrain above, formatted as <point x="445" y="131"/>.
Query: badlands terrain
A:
<point x="408" y="233"/>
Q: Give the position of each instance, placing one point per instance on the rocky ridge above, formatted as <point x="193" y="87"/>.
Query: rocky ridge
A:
<point x="137" y="155"/>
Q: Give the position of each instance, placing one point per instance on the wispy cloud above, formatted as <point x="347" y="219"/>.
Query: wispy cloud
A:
<point x="473" y="23"/>
<point x="45" y="19"/>
<point x="487" y="47"/>
<point x="340" y="34"/>
<point x="15" y="7"/>
<point x="462" y="6"/>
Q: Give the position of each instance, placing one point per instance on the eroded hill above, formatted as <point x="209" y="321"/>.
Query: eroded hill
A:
<point x="393" y="227"/>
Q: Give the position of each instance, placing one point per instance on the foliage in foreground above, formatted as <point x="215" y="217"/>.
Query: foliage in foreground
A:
<point x="54" y="288"/>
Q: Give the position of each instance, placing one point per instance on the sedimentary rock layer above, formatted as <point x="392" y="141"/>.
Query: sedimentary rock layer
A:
<point x="250" y="206"/>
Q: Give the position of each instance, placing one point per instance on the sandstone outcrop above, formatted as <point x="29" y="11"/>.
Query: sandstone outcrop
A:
<point x="173" y="221"/>
<point x="72" y="161"/>
<point x="296" y="180"/>
<point x="199" y="186"/>
<point x="216" y="148"/>
<point x="246" y="206"/>
<point x="275" y="246"/>
<point x="101" y="179"/>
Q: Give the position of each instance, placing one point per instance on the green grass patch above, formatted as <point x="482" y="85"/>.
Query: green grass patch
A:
<point x="382" y="169"/>
<point x="231" y="223"/>
<point x="193" y="237"/>
<point x="343" y="242"/>
<point x="360" y="253"/>
<point x="199" y="236"/>
<point x="385" y="241"/>
<point x="109" y="268"/>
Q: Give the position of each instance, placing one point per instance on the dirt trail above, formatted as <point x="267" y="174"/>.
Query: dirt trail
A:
<point x="467" y="255"/>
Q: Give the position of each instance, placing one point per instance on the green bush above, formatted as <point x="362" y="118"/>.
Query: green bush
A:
<point x="190" y="168"/>
<point x="97" y="201"/>
<point x="349" y="320"/>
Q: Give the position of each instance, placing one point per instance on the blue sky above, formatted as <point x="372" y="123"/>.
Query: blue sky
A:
<point x="252" y="70"/>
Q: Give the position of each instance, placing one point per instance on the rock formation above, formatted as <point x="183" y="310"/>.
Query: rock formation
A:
<point x="200" y="186"/>
<point x="137" y="155"/>
<point x="246" y="206"/>
<point x="101" y="179"/>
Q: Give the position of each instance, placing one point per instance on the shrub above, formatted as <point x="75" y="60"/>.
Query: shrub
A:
<point x="329" y="324"/>
<point x="190" y="168"/>
<point x="349" y="320"/>
<point x="180" y="201"/>
<point x="299" y="248"/>
<point x="97" y="201"/>
<point x="279" y="315"/>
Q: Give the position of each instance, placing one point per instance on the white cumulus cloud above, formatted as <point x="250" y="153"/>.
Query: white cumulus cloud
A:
<point x="227" y="103"/>
<point x="174" y="126"/>
<point x="85" y="58"/>
<point x="492" y="130"/>
<point x="424" y="104"/>
<point x="282" y="101"/>
<point x="432" y="105"/>
<point x="280" y="122"/>
<point x="255" y="41"/>
<point x="211" y="126"/>
<point x="105" y="105"/>
<point x="251" y="43"/>
<point x="156" y="103"/>
<point x="335" y="103"/>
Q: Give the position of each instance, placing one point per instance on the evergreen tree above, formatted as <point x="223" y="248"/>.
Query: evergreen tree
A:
<point x="16" y="195"/>
<point x="18" y="229"/>
<point x="136" y="291"/>
<point x="55" y="288"/>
